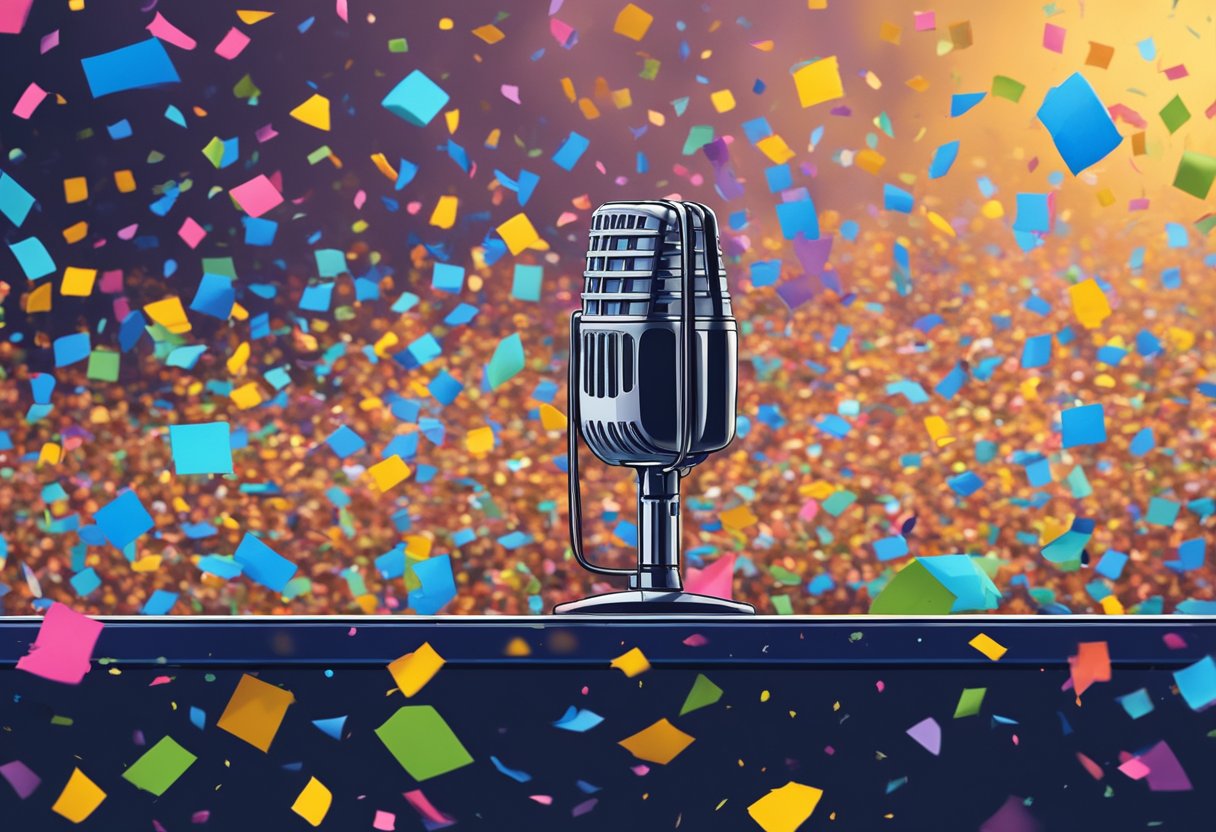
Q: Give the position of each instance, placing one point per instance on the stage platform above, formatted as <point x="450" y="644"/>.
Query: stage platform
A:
<point x="870" y="710"/>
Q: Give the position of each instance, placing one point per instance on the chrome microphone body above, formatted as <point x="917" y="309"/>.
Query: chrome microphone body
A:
<point x="653" y="381"/>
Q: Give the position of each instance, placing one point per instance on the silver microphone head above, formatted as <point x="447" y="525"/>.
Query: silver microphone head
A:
<point x="630" y="331"/>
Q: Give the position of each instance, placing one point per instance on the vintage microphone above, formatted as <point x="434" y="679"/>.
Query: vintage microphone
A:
<point x="652" y="383"/>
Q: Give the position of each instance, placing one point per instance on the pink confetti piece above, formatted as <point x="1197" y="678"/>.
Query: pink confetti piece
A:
<point x="880" y="685"/>
<point x="641" y="770"/>
<point x="1134" y="768"/>
<point x="64" y="646"/>
<point x="29" y="101"/>
<point x="1053" y="37"/>
<point x="561" y="31"/>
<point x="1095" y="770"/>
<point x="542" y="799"/>
<point x="1176" y="72"/>
<point x="924" y="21"/>
<point x="111" y="282"/>
<point x="715" y="579"/>
<point x="384" y="821"/>
<point x="166" y="31"/>
<point x="159" y="680"/>
<point x="1174" y="641"/>
<point x="360" y="198"/>
<point x="257" y="196"/>
<point x="425" y="808"/>
<point x="49" y="41"/>
<point x="265" y="134"/>
<point x="511" y="92"/>
<point x="128" y="232"/>
<point x="233" y="44"/>
<point x="201" y="816"/>
<point x="1139" y="204"/>
<point x="191" y="232"/>
<point x="1210" y="112"/>
<point x="343" y="11"/>
<point x="13" y="14"/>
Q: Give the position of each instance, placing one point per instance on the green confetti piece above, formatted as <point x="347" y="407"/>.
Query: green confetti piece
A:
<point x="1175" y="114"/>
<point x="421" y="741"/>
<point x="398" y="46"/>
<point x="1195" y="174"/>
<point x="703" y="694"/>
<point x="969" y="702"/>
<point x="159" y="767"/>
<point x="1007" y="88"/>
<point x="913" y="591"/>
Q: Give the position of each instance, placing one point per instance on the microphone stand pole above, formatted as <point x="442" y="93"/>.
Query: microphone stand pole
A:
<point x="659" y="528"/>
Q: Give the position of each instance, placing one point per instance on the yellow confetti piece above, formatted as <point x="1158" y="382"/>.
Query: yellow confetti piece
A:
<point x="389" y="472"/>
<point x="890" y="32"/>
<point x="1088" y="303"/>
<point x="412" y="671"/>
<point x="551" y="418"/>
<point x="819" y="82"/>
<point x="150" y="563"/>
<point x="75" y="189"/>
<point x="314" y="112"/>
<point x="939" y="222"/>
<point x="387" y="341"/>
<point x="739" y="517"/>
<point x="124" y="180"/>
<point x="633" y="22"/>
<point x="79" y="798"/>
<point x="631" y="663"/>
<point x="660" y="743"/>
<point x="939" y="431"/>
<point x="622" y="99"/>
<point x="518" y="233"/>
<point x="77" y="282"/>
<point x="170" y="314"/>
<point x="452" y="119"/>
<point x="1106" y="197"/>
<point x="656" y="118"/>
<point x="871" y="161"/>
<point x="39" y="300"/>
<point x="255" y="711"/>
<point x="50" y="453"/>
<point x="250" y="16"/>
<point x="763" y="45"/>
<point x="723" y="101"/>
<point x="988" y="646"/>
<point x="1111" y="605"/>
<point x="384" y="167"/>
<point x="418" y="546"/>
<point x="313" y="802"/>
<point x="489" y="33"/>
<point x="246" y="396"/>
<point x="786" y="808"/>
<point x="239" y="358"/>
<point x="76" y="232"/>
<point x="517" y="648"/>
<point x="492" y="139"/>
<point x="479" y="440"/>
<point x="775" y="148"/>
<point x="992" y="209"/>
<point x="444" y="215"/>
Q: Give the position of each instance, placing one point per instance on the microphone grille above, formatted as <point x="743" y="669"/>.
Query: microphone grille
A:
<point x="634" y="264"/>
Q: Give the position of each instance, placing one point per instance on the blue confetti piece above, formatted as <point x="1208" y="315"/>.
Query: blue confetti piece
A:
<point x="943" y="160"/>
<point x="571" y="151"/>
<point x="345" y="442"/>
<point x="160" y="603"/>
<point x="124" y="519"/>
<point x="138" y="66"/>
<point x="1085" y="425"/>
<point x="962" y="102"/>
<point x="896" y="199"/>
<point x="264" y="565"/>
<point x="1079" y="124"/>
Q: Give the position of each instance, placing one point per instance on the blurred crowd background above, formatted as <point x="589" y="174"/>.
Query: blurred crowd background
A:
<point x="797" y="508"/>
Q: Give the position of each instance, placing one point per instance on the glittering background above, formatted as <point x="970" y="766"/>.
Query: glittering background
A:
<point x="903" y="379"/>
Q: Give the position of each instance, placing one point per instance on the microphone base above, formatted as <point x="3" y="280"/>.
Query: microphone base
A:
<point x="653" y="602"/>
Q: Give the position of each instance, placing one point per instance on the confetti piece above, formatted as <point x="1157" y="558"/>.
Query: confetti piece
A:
<point x="389" y="473"/>
<point x="257" y="196"/>
<point x="79" y="799"/>
<point x="1089" y="303"/>
<point x="578" y="720"/>
<point x="164" y="30"/>
<point x="313" y="111"/>
<point x="21" y="777"/>
<point x="139" y="66"/>
<point x="416" y="98"/>
<point x="1099" y="55"/>
<point x="818" y="82"/>
<point x="1175" y="114"/>
<point x="632" y="663"/>
<point x="1080" y="126"/>
<point x="518" y="233"/>
<point x="421" y="741"/>
<point x="1085" y="425"/>
<point x="969" y="702"/>
<point x="786" y="808"/>
<point x="13" y="14"/>
<point x="928" y="734"/>
<point x="412" y="671"/>
<point x="1195" y="174"/>
<point x="988" y="646"/>
<point x="313" y="802"/>
<point x="232" y="44"/>
<point x="703" y="694"/>
<point x="204" y="448"/>
<point x="633" y="22"/>
<point x="1197" y="683"/>
<point x="255" y="711"/>
<point x="64" y="646"/>
<point x="159" y="767"/>
<point x="659" y="743"/>
<point x="913" y="591"/>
